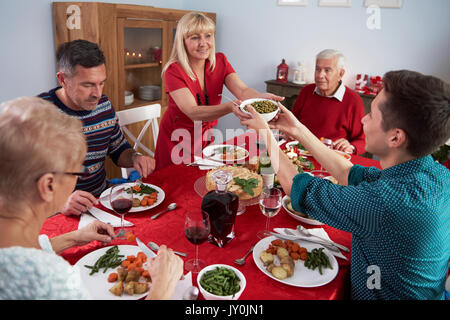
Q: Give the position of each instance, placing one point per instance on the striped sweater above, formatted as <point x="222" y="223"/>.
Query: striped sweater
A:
<point x="104" y="138"/>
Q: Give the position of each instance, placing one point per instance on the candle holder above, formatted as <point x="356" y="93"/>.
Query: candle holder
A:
<point x="282" y="72"/>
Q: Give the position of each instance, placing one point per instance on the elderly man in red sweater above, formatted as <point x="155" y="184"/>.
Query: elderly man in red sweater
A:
<point x="329" y="108"/>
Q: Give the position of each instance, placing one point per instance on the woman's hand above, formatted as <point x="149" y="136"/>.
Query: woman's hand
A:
<point x="256" y="122"/>
<point x="285" y="121"/>
<point x="96" y="230"/>
<point x="270" y="96"/>
<point x="165" y="270"/>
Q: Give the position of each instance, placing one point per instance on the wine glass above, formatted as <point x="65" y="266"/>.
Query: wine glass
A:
<point x="322" y="172"/>
<point x="121" y="200"/>
<point x="196" y="230"/>
<point x="270" y="205"/>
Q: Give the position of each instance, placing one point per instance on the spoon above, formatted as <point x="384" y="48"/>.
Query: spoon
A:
<point x="155" y="247"/>
<point x="191" y="293"/>
<point x="169" y="208"/>
<point x="241" y="261"/>
<point x="228" y="98"/>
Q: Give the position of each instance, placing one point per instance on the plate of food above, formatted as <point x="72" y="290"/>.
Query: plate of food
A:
<point x="225" y="153"/>
<point x="146" y="196"/>
<point x="295" y="263"/>
<point x="128" y="283"/>
<point x="302" y="217"/>
<point x="268" y="109"/>
<point x="297" y="147"/>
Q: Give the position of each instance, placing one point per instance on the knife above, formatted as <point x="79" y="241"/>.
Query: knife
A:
<point x="149" y="253"/>
<point x="293" y="238"/>
<point x="107" y="196"/>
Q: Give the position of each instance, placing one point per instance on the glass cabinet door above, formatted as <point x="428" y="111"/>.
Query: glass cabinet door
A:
<point x="140" y="45"/>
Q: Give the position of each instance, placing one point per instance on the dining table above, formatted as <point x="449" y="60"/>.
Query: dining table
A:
<point x="178" y="182"/>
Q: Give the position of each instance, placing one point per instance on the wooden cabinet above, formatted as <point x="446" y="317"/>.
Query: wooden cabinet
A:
<point x="136" y="40"/>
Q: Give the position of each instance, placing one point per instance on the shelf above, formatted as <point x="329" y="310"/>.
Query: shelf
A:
<point x="139" y="103"/>
<point x="142" y="65"/>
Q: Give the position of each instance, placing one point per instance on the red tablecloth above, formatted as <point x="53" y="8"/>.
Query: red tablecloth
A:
<point x="177" y="181"/>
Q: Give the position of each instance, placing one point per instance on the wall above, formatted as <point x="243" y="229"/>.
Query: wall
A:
<point x="257" y="34"/>
<point x="27" y="55"/>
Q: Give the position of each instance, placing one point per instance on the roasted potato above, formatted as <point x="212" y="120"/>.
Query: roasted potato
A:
<point x="282" y="252"/>
<point x="288" y="264"/>
<point x="133" y="275"/>
<point x="117" y="289"/>
<point x="140" y="287"/>
<point x="266" y="257"/>
<point x="279" y="273"/>
<point x="129" y="287"/>
<point x="122" y="274"/>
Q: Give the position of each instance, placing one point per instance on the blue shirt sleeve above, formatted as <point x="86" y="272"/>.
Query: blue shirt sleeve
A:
<point x="356" y="209"/>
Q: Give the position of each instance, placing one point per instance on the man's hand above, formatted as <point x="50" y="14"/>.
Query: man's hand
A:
<point x="143" y="164"/>
<point x="343" y="145"/>
<point x="78" y="202"/>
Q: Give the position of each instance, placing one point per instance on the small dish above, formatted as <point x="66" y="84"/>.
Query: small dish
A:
<point x="209" y="296"/>
<point x="266" y="116"/>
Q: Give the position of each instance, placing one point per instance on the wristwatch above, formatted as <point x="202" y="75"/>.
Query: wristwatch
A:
<point x="135" y="154"/>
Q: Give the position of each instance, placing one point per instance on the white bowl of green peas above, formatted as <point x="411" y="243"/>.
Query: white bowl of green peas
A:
<point x="221" y="282"/>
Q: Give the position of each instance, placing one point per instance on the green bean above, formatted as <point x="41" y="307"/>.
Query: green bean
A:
<point x="111" y="259"/>
<point x="317" y="259"/>
<point x="220" y="281"/>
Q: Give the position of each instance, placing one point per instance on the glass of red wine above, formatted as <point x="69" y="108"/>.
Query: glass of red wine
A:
<point x="270" y="205"/>
<point x="196" y="230"/>
<point x="121" y="200"/>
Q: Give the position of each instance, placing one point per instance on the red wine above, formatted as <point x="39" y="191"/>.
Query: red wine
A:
<point x="221" y="208"/>
<point x="122" y="205"/>
<point x="196" y="235"/>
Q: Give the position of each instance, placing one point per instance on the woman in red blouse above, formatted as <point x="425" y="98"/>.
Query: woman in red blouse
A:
<point x="194" y="78"/>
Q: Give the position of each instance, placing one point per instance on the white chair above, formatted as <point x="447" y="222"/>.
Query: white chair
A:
<point x="151" y="113"/>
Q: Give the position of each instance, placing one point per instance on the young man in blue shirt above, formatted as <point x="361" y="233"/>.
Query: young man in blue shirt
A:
<point x="399" y="217"/>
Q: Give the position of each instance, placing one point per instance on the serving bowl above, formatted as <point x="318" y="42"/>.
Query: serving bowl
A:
<point x="266" y="116"/>
<point x="210" y="296"/>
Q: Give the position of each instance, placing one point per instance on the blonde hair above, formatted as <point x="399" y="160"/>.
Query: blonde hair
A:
<point x="191" y="23"/>
<point x="35" y="138"/>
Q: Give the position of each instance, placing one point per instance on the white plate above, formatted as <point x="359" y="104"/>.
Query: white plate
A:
<point x="213" y="152"/>
<point x="297" y="217"/>
<point x="265" y="116"/>
<point x="97" y="284"/>
<point x="301" y="151"/>
<point x="161" y="196"/>
<point x="303" y="277"/>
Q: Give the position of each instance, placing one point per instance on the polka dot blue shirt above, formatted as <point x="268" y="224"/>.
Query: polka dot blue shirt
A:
<point x="400" y="224"/>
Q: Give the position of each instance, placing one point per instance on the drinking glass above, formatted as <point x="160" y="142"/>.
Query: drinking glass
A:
<point x="270" y="205"/>
<point x="196" y="230"/>
<point x="121" y="202"/>
<point x="322" y="172"/>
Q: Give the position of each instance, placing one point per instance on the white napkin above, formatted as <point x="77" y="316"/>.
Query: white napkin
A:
<point x="98" y="214"/>
<point x="206" y="164"/>
<point x="319" y="232"/>
<point x="181" y="287"/>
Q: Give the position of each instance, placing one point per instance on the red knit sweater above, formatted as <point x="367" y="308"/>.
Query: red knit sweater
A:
<point x="330" y="118"/>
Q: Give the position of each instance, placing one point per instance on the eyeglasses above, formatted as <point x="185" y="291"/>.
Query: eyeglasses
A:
<point x="84" y="172"/>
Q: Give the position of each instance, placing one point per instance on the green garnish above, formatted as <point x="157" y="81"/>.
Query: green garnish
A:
<point x="247" y="184"/>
